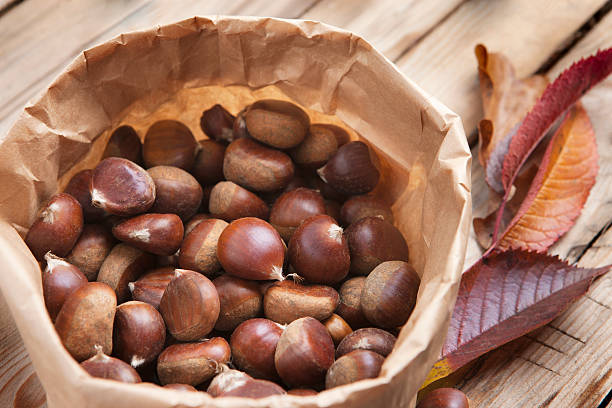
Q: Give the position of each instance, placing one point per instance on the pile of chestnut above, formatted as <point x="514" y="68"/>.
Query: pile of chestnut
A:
<point x="251" y="263"/>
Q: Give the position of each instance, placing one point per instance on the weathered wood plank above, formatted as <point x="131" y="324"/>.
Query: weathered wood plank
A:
<point x="389" y="25"/>
<point x="527" y="31"/>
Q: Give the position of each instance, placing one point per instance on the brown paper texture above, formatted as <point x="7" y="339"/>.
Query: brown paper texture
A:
<point x="177" y="71"/>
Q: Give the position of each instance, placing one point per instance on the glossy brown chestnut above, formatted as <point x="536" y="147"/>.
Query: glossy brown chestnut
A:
<point x="373" y="241"/>
<point x="160" y="234"/>
<point x="350" y="303"/>
<point x="318" y="250"/>
<point x="194" y="221"/>
<point x="351" y="171"/>
<point x="358" y="207"/>
<point x="251" y="248"/>
<point x="199" y="249"/>
<point x="181" y="387"/>
<point x="369" y="338"/>
<point x="255" y="389"/>
<point x="60" y="279"/>
<point x="240" y="128"/>
<point x="287" y="301"/>
<point x="279" y="124"/>
<point x="354" y="366"/>
<point x="389" y="294"/>
<point x="217" y="123"/>
<point x="125" y="143"/>
<point x="444" y="398"/>
<point x="56" y="228"/>
<point x="124" y="264"/>
<point x="169" y="143"/>
<point x="304" y="352"/>
<point x="342" y="136"/>
<point x="257" y="167"/>
<point x="229" y="202"/>
<point x="189" y="306"/>
<point x="337" y="327"/>
<point x="151" y="286"/>
<point x="139" y="333"/>
<point x="192" y="363"/>
<point x="176" y="192"/>
<point x="121" y="187"/>
<point x="240" y="300"/>
<point x="253" y="345"/>
<point x="293" y="207"/>
<point x="302" y="392"/>
<point x="78" y="187"/>
<point x="208" y="167"/>
<point x="316" y="149"/>
<point x="110" y="368"/>
<point x="90" y="250"/>
<point x="86" y="320"/>
<point x="226" y="381"/>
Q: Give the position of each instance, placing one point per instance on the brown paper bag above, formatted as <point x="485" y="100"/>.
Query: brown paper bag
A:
<point x="175" y="72"/>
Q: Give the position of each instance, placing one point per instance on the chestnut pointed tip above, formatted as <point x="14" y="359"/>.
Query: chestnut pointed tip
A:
<point x="277" y="273"/>
<point x="53" y="261"/>
<point x="131" y="287"/>
<point x="321" y="173"/>
<point x="97" y="198"/>
<point x="335" y="232"/>
<point x="49" y="215"/>
<point x="137" y="361"/>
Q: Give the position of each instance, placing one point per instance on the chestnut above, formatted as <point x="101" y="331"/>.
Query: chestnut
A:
<point x="293" y="207"/>
<point x="254" y="389"/>
<point x="279" y="124"/>
<point x="217" y="123"/>
<point x="121" y="187"/>
<point x="333" y="208"/>
<point x="160" y="234"/>
<point x="60" y="279"/>
<point x="199" y="248"/>
<point x="176" y="192"/>
<point x="124" y="264"/>
<point x="253" y="346"/>
<point x="369" y="338"/>
<point x="139" y="333"/>
<point x="90" y="250"/>
<point x="318" y="250"/>
<point x="86" y="320"/>
<point x="189" y="306"/>
<point x="389" y="294"/>
<point x="354" y="366"/>
<point x="125" y="143"/>
<point x="180" y="387"/>
<point x="227" y="380"/>
<point x="350" y="303"/>
<point x="229" y="202"/>
<point x="342" y="136"/>
<point x="78" y="187"/>
<point x="358" y="207"/>
<point x="304" y="352"/>
<point x="194" y="221"/>
<point x="287" y="301"/>
<point x="444" y="398"/>
<point x="192" y="363"/>
<point x="303" y="392"/>
<point x="57" y="227"/>
<point x="328" y="192"/>
<point x="239" y="130"/>
<point x="110" y="368"/>
<point x="208" y="167"/>
<point x="169" y="143"/>
<point x="151" y="286"/>
<point x="257" y="167"/>
<point x="251" y="248"/>
<point x="337" y="327"/>
<point x="315" y="150"/>
<point x="373" y="241"/>
<point x="240" y="300"/>
<point x="351" y="171"/>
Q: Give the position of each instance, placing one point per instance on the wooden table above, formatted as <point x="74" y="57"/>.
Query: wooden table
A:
<point x="567" y="363"/>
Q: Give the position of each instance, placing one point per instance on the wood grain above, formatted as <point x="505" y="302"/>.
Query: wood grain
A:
<point x="528" y="31"/>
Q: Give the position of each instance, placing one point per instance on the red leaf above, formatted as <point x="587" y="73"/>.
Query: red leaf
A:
<point x="504" y="296"/>
<point x="556" y="99"/>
